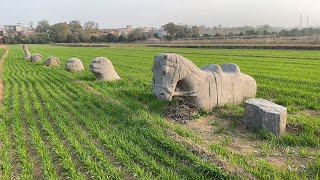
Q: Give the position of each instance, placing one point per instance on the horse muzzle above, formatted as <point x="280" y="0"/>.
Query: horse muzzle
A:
<point x="163" y="94"/>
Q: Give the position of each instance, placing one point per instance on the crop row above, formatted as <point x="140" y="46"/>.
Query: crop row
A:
<point x="73" y="135"/>
<point x="58" y="125"/>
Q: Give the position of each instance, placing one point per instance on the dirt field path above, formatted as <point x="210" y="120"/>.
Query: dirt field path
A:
<point x="5" y="54"/>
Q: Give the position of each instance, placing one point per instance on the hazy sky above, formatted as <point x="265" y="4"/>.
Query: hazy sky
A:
<point x="118" y="13"/>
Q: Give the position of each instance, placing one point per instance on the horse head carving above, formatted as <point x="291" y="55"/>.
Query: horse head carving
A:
<point x="103" y="69"/>
<point x="211" y="86"/>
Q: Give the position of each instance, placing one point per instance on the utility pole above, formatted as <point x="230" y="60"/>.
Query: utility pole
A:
<point x="307" y="21"/>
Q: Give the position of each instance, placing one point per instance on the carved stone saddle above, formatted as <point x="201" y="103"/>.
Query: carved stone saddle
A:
<point x="227" y="84"/>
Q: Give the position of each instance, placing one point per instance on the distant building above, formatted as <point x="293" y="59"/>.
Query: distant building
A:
<point x="126" y="31"/>
<point x="161" y="32"/>
<point x="27" y="29"/>
<point x="16" y="29"/>
<point x="117" y="32"/>
<point x="149" y="29"/>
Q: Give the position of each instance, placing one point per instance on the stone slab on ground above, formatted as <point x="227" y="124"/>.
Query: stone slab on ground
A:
<point x="261" y="114"/>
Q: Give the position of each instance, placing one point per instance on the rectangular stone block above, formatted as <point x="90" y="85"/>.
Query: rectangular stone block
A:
<point x="261" y="114"/>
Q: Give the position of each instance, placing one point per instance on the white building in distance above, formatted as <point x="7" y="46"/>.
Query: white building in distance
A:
<point x="18" y="29"/>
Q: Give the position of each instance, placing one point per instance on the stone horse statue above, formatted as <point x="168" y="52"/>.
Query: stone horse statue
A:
<point x="211" y="86"/>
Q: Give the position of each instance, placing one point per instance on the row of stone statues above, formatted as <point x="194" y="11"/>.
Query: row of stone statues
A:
<point x="176" y="77"/>
<point x="210" y="86"/>
<point x="101" y="67"/>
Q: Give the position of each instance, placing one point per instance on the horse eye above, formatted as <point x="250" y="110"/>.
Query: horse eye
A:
<point x="165" y="72"/>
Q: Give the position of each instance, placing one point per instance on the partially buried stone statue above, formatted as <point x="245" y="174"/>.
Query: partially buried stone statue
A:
<point x="27" y="53"/>
<point x="36" y="57"/>
<point x="52" y="61"/>
<point x="73" y="65"/>
<point x="103" y="69"/>
<point x="211" y="86"/>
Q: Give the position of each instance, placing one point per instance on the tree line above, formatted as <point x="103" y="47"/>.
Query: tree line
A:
<point x="184" y="31"/>
<point x="72" y="32"/>
<point x="75" y="32"/>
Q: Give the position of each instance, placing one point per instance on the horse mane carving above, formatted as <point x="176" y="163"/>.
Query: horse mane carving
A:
<point x="211" y="86"/>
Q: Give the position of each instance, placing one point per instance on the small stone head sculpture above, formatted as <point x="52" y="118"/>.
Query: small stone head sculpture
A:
<point x="35" y="57"/>
<point x="74" y="65"/>
<point x="52" y="61"/>
<point x="103" y="69"/>
<point x="25" y="47"/>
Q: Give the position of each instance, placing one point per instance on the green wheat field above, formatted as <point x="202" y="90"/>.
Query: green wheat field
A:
<point x="60" y="125"/>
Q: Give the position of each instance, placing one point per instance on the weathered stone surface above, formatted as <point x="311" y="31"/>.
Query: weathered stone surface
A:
<point x="73" y="65"/>
<point x="265" y="115"/>
<point x="52" y="61"/>
<point x="208" y="87"/>
<point x="36" y="57"/>
<point x="103" y="69"/>
<point x="27" y="54"/>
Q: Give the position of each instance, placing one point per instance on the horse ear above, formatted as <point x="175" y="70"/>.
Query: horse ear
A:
<point x="165" y="57"/>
